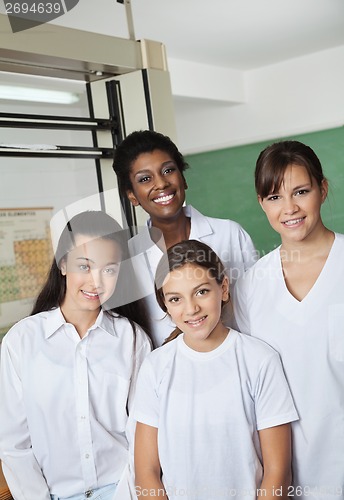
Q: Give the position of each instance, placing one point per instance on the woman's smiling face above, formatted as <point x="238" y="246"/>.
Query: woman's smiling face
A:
<point x="293" y="210"/>
<point x="157" y="185"/>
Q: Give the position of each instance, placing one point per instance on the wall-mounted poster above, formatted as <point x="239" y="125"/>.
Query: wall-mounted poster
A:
<point x="25" y="257"/>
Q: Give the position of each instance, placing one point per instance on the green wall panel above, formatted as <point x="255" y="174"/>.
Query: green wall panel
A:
<point x="221" y="184"/>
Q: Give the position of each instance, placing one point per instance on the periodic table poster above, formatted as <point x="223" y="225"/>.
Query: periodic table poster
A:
<point x="25" y="258"/>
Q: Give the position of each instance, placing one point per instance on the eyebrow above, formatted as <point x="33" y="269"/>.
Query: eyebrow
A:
<point x="302" y="186"/>
<point x="194" y="289"/>
<point x="147" y="170"/>
<point x="93" y="262"/>
<point x="308" y="184"/>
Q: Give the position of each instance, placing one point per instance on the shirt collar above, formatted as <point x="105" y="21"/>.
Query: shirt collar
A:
<point x="105" y="322"/>
<point x="55" y="320"/>
<point x="200" y="226"/>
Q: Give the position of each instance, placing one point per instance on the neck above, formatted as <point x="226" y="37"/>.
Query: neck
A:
<point x="82" y="321"/>
<point x="218" y="336"/>
<point x="174" y="230"/>
<point x="316" y="245"/>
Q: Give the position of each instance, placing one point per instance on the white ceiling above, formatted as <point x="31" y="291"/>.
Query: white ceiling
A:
<point x="242" y="34"/>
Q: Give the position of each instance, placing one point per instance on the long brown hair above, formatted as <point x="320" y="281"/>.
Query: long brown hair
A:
<point x="96" y="224"/>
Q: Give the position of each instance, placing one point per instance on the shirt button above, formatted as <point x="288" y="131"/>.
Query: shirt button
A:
<point x="87" y="455"/>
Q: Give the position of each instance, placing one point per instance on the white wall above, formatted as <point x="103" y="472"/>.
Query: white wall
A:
<point x="298" y="96"/>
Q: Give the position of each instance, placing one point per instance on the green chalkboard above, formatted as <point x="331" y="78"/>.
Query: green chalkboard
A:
<point x="221" y="184"/>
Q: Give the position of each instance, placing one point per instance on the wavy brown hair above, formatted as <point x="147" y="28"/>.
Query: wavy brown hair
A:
<point x="186" y="252"/>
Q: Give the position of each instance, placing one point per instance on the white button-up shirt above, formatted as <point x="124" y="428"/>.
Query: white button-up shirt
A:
<point x="64" y="403"/>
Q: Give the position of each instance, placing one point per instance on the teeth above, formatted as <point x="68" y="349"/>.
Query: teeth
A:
<point x="195" y="322"/>
<point x="163" y="199"/>
<point x="90" y="294"/>
<point x="292" y="222"/>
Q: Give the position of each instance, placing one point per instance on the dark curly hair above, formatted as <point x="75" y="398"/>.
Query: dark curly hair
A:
<point x="138" y="142"/>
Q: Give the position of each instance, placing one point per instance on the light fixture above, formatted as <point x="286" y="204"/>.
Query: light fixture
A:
<point x="37" y="95"/>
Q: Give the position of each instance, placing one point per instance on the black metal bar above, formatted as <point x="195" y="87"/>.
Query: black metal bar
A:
<point x="17" y="120"/>
<point x="60" y="152"/>
<point x="95" y="144"/>
<point x="113" y="90"/>
<point x="148" y="99"/>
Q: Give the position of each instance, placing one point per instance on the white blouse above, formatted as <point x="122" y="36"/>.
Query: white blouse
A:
<point x="64" y="403"/>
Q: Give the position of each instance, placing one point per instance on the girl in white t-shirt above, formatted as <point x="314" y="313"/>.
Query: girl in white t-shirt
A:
<point x="212" y="406"/>
<point x="68" y="373"/>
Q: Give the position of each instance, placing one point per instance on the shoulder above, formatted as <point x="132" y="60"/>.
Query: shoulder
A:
<point x="257" y="280"/>
<point x="255" y="352"/>
<point x="267" y="260"/>
<point x="161" y="358"/>
<point x="27" y="327"/>
<point x="254" y="346"/>
<point x="164" y="352"/>
<point x="124" y="330"/>
<point x="215" y="223"/>
<point x="340" y="238"/>
<point x="264" y="267"/>
<point x="251" y="344"/>
<point x="229" y="240"/>
<point x="336" y="253"/>
<point x="28" y="322"/>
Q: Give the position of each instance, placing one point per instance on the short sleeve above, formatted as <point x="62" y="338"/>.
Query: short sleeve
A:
<point x="239" y="300"/>
<point x="249" y="253"/>
<point x="146" y="403"/>
<point x="273" y="401"/>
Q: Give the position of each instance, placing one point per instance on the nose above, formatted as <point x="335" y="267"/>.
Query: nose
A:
<point x="290" y="206"/>
<point x="96" y="278"/>
<point x="192" y="307"/>
<point x="161" y="182"/>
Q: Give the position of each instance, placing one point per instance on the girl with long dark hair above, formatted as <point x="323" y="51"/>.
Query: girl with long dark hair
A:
<point x="68" y="372"/>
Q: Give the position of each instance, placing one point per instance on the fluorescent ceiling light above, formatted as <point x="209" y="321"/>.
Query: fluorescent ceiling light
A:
<point x="37" y="95"/>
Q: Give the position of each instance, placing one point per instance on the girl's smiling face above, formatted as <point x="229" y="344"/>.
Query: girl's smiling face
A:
<point x="194" y="299"/>
<point x="157" y="185"/>
<point x="91" y="269"/>
<point x="293" y="210"/>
